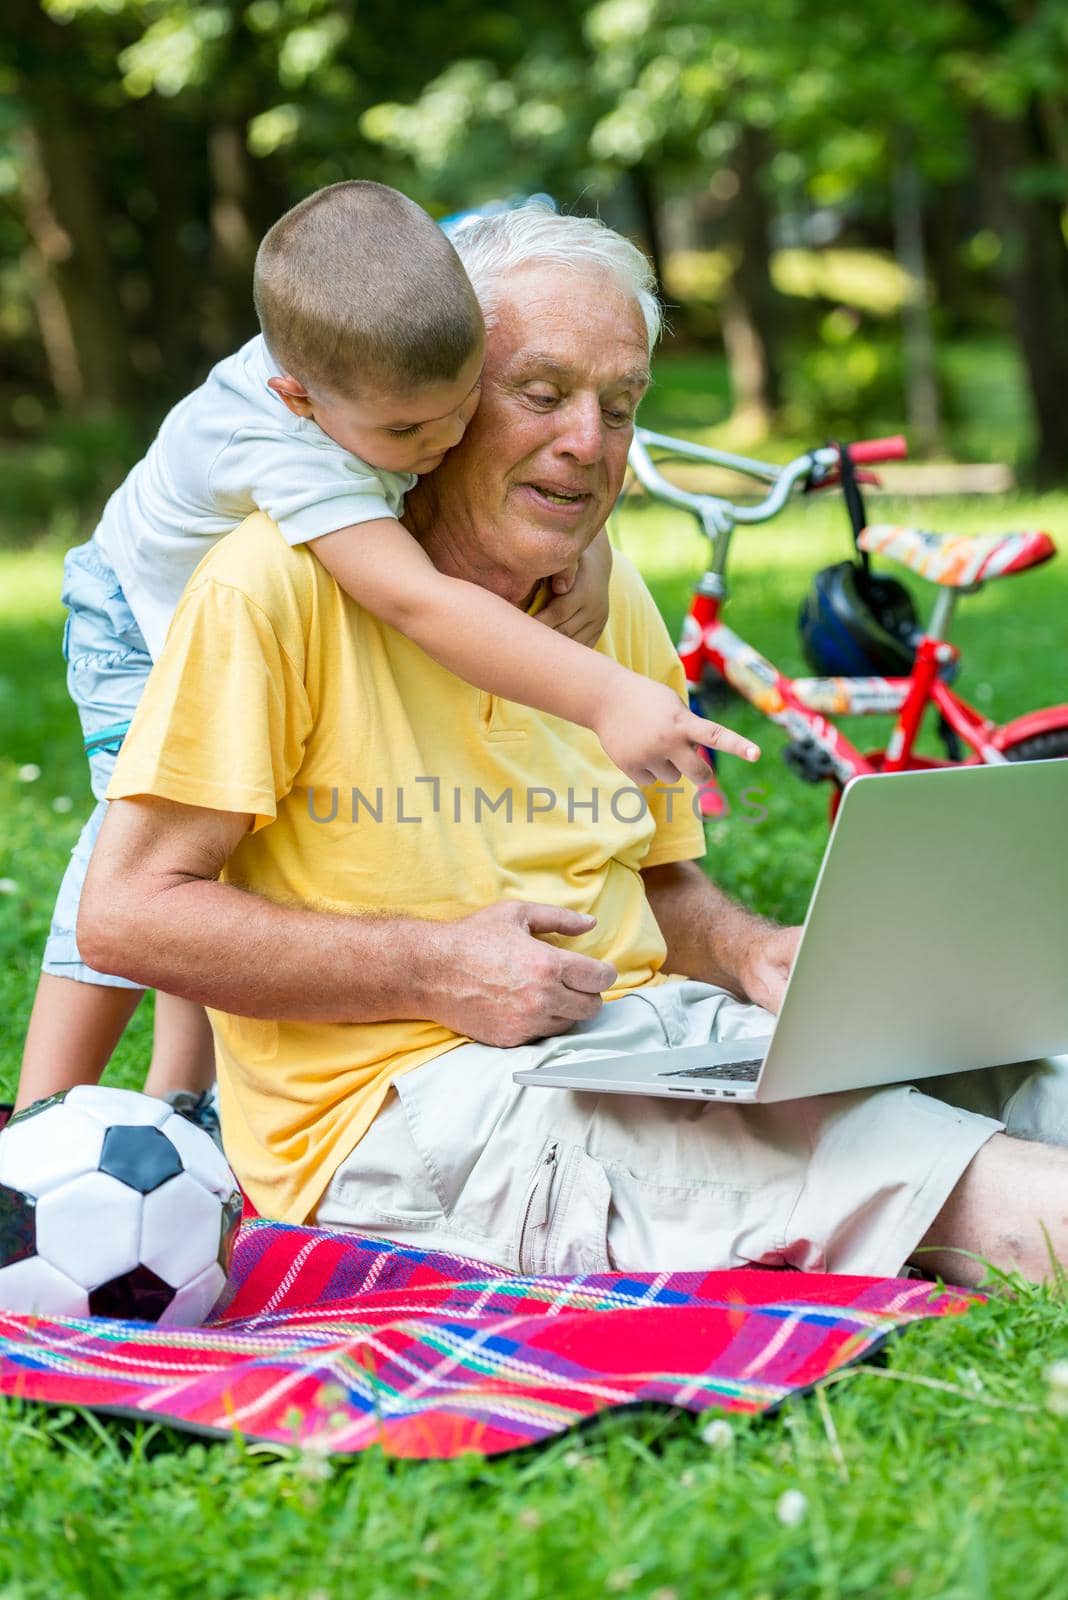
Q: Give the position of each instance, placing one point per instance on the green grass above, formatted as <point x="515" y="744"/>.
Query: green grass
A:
<point x="953" y="1490"/>
<point x="38" y="730"/>
<point x="941" y="1474"/>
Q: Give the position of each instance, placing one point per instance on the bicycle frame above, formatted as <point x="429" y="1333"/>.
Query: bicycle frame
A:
<point x="803" y="707"/>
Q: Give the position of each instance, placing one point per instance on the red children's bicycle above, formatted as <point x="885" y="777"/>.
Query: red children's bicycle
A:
<point x="859" y="629"/>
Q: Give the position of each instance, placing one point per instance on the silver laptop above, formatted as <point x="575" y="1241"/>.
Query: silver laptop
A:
<point x="936" y="941"/>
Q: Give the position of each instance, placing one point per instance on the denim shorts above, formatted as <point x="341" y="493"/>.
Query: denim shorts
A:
<point x="107" y="667"/>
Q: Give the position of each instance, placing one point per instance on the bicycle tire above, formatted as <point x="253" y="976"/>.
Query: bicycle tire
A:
<point x="1049" y="746"/>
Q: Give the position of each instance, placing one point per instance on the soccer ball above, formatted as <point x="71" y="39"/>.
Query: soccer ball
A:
<point x="113" y="1205"/>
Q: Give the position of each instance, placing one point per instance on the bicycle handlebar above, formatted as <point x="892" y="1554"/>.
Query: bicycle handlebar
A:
<point x="868" y="451"/>
<point x="718" y="514"/>
<point x="704" y="452"/>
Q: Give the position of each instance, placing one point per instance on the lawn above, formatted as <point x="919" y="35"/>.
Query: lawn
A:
<point x="940" y="1473"/>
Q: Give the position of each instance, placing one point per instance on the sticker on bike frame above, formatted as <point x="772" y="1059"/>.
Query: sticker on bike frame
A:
<point x="859" y="697"/>
<point x="746" y="670"/>
<point x="690" y="637"/>
<point x="765" y="687"/>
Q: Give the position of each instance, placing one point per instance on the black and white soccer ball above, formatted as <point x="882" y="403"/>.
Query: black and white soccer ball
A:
<point x="113" y="1205"/>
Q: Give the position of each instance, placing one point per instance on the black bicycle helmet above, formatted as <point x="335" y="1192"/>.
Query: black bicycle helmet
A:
<point x="855" y="625"/>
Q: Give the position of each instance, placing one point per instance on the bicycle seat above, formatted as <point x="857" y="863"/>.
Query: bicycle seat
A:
<point x="958" y="560"/>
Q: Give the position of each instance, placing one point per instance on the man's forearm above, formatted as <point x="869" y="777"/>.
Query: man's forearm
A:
<point x="153" y="911"/>
<point x="708" y="935"/>
<point x="234" y="951"/>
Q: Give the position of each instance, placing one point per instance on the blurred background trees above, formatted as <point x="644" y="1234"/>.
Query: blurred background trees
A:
<point x="857" y="212"/>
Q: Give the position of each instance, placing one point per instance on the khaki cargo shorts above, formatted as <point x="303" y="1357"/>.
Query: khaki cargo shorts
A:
<point x="460" y="1158"/>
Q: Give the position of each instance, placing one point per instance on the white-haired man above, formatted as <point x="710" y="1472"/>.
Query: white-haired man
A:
<point x="391" y="888"/>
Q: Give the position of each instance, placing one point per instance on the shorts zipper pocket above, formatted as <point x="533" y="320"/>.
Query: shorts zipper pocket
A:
<point x="536" y="1209"/>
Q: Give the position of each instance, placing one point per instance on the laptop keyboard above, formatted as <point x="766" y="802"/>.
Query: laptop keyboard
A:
<point x="726" y="1072"/>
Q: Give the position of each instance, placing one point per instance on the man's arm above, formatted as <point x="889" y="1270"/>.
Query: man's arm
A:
<point x="711" y="938"/>
<point x="152" y="911"/>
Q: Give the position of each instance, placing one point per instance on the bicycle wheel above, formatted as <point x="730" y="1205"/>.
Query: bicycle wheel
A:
<point x="1040" y="747"/>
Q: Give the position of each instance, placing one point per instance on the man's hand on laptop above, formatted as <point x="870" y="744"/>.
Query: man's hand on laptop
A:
<point x="497" y="981"/>
<point x="765" y="965"/>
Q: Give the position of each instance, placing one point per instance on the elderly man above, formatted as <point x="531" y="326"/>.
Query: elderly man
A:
<point x="392" y="889"/>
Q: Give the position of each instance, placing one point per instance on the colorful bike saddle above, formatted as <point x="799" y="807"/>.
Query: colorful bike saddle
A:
<point x="957" y="560"/>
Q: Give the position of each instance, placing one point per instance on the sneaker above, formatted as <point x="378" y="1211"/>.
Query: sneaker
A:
<point x="200" y="1109"/>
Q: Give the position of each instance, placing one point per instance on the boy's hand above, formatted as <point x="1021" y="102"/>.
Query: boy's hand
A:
<point x="579" y="607"/>
<point x="653" y="738"/>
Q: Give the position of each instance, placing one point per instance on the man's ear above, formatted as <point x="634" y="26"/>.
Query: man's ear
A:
<point x="293" y="395"/>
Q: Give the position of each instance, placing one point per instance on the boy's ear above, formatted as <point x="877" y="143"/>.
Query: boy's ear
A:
<point x="293" y="395"/>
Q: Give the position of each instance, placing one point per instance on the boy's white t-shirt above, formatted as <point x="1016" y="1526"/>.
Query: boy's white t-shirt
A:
<point x="226" y="450"/>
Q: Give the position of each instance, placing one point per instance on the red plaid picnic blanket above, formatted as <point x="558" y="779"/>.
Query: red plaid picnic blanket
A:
<point x="336" y="1342"/>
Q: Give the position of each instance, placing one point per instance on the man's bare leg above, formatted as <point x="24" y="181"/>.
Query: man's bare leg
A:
<point x="1009" y="1193"/>
<point x="74" y="1027"/>
<point x="183" y="1050"/>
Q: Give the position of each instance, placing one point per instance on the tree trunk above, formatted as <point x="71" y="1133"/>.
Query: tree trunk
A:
<point x="81" y="318"/>
<point x="174" y="169"/>
<point x="82" y="323"/>
<point x="645" y="198"/>
<point x="229" y="314"/>
<point x="751" y="306"/>
<point x="921" y="381"/>
<point x="1034" y="266"/>
<point x="950" y="215"/>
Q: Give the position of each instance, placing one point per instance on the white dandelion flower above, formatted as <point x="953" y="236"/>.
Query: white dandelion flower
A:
<point x="1057" y="1378"/>
<point x="718" y="1434"/>
<point x="791" y="1508"/>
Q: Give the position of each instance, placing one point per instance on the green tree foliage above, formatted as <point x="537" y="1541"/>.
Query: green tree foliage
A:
<point x="145" y="145"/>
<point x="842" y="105"/>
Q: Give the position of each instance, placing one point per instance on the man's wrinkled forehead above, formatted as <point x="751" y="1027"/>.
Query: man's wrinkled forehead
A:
<point x="538" y="326"/>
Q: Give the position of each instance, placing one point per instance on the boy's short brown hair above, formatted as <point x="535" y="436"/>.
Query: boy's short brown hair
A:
<point x="356" y="287"/>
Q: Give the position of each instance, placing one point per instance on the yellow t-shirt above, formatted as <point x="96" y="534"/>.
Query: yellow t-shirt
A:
<point x="380" y="783"/>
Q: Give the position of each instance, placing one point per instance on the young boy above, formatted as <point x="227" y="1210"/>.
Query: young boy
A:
<point x="366" y="373"/>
